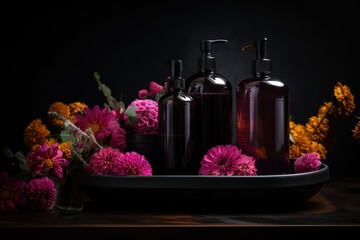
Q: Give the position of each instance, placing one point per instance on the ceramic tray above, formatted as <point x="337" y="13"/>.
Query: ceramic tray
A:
<point x="165" y="191"/>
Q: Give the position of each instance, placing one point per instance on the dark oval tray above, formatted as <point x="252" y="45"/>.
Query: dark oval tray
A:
<point x="195" y="190"/>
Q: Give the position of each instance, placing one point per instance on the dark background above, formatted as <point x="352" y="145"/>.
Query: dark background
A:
<point x="54" y="48"/>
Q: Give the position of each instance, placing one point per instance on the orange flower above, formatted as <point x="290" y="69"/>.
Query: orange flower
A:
<point x="309" y="138"/>
<point x="65" y="147"/>
<point x="345" y="99"/>
<point x="50" y="141"/>
<point x="326" y="109"/>
<point x="35" y="133"/>
<point x="304" y="145"/>
<point x="77" y="107"/>
<point x="62" y="109"/>
<point x="317" y="128"/>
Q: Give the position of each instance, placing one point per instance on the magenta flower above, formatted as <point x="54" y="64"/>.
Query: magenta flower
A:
<point x="227" y="160"/>
<point x="11" y="193"/>
<point x="147" y="114"/>
<point x="41" y="194"/>
<point x="102" y="162"/>
<point x="143" y="94"/>
<point x="307" y="163"/>
<point x="132" y="163"/>
<point x="118" y="136"/>
<point x="47" y="160"/>
<point x="155" y="88"/>
<point x="246" y="166"/>
<point x="104" y="125"/>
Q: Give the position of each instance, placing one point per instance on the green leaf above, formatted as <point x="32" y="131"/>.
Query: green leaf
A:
<point x="131" y="113"/>
<point x="66" y="136"/>
<point x="97" y="76"/>
<point x="122" y="105"/>
<point x="112" y="102"/>
<point x="22" y="160"/>
<point x="8" y="153"/>
<point x="157" y="97"/>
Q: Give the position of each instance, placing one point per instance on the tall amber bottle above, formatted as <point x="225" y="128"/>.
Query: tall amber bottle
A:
<point x="176" y="127"/>
<point x="262" y="115"/>
<point x="212" y="93"/>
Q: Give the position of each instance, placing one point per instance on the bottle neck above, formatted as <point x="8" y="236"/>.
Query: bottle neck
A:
<point x="262" y="75"/>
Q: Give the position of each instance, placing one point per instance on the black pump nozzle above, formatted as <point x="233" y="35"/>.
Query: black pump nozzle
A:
<point x="176" y="71"/>
<point x="206" y="62"/>
<point x="175" y="68"/>
<point x="261" y="65"/>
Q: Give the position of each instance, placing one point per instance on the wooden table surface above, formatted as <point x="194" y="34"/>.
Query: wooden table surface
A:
<point x="334" y="210"/>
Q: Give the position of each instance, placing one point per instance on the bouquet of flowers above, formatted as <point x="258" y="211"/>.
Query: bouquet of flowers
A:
<point x="312" y="136"/>
<point x="77" y="137"/>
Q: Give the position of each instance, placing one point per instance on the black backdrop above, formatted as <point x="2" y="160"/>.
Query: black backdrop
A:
<point x="54" y="49"/>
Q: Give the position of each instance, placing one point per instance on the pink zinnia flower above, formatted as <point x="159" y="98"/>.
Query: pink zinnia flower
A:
<point x="104" y="124"/>
<point x="227" y="160"/>
<point x="41" y="194"/>
<point x="147" y="114"/>
<point x="307" y="163"/>
<point x="11" y="193"/>
<point x="47" y="160"/>
<point x="102" y="162"/>
<point x="132" y="163"/>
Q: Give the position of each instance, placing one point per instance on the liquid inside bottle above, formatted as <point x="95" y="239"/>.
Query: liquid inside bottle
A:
<point x="176" y="127"/>
<point x="177" y="134"/>
<point x="263" y="123"/>
<point x="213" y="115"/>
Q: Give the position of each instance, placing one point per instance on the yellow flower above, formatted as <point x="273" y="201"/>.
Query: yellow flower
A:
<point x="345" y="99"/>
<point x="297" y="129"/>
<point x="35" y="133"/>
<point x="304" y="145"/>
<point x="295" y="151"/>
<point x="65" y="147"/>
<point x="61" y="109"/>
<point x="77" y="107"/>
<point x="51" y="141"/>
<point x="319" y="149"/>
<point x="326" y="109"/>
<point x="309" y="138"/>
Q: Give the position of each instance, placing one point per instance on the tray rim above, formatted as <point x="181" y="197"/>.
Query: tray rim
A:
<point x="205" y="181"/>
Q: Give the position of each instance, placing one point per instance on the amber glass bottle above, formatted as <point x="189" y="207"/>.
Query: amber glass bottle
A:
<point x="262" y="116"/>
<point x="176" y="127"/>
<point x="212" y="93"/>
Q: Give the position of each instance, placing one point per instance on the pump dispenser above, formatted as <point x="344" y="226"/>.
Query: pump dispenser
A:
<point x="176" y="126"/>
<point x="169" y="80"/>
<point x="212" y="93"/>
<point x="262" y="115"/>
